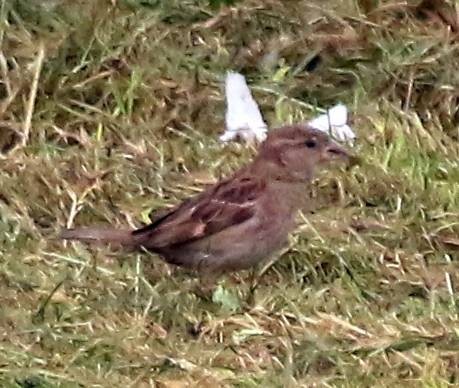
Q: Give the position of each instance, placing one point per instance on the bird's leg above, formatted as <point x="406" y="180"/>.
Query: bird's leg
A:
<point x="253" y="283"/>
<point x="258" y="271"/>
<point x="207" y="282"/>
<point x="267" y="264"/>
<point x="253" y="279"/>
<point x="255" y="275"/>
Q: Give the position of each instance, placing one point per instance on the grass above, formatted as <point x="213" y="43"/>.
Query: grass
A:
<point x="111" y="110"/>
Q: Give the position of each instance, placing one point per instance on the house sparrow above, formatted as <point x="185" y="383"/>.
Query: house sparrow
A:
<point x="239" y="221"/>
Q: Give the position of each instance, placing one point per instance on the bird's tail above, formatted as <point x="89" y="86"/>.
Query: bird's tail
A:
<point x="100" y="235"/>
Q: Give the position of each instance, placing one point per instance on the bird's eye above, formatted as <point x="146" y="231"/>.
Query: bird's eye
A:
<point x="311" y="143"/>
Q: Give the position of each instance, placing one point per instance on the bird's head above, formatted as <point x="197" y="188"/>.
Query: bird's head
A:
<point x="296" y="151"/>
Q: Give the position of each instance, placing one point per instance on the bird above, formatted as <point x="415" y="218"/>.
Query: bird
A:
<point x="239" y="221"/>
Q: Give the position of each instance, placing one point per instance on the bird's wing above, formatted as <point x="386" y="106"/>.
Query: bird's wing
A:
<point x="228" y="204"/>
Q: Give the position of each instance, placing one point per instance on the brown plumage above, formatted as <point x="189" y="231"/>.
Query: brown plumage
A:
<point x="239" y="221"/>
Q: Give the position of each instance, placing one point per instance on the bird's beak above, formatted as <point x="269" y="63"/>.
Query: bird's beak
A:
<point x="334" y="151"/>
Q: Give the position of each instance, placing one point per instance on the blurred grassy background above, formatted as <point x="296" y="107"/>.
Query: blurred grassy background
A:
<point x="111" y="109"/>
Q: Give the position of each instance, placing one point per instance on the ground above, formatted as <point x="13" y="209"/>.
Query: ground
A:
<point x="112" y="109"/>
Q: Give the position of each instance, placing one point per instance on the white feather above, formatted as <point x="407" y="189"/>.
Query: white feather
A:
<point x="243" y="117"/>
<point x="335" y="122"/>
